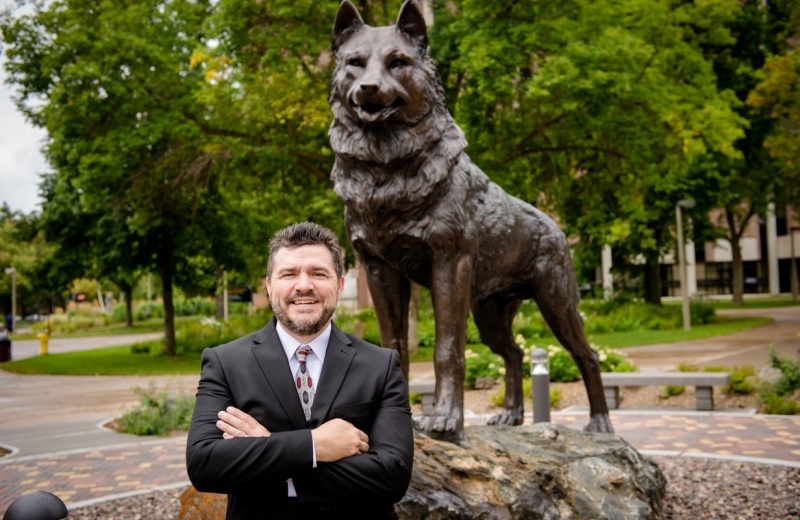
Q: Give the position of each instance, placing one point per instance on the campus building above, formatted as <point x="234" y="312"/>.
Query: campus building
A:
<point x="770" y="246"/>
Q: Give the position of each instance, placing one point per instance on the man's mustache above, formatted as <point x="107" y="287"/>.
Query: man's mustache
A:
<point x="300" y="296"/>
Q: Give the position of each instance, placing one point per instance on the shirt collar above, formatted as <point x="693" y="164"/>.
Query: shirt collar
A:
<point x="319" y="344"/>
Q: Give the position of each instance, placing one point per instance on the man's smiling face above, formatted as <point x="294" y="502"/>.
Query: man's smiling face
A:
<point x="303" y="290"/>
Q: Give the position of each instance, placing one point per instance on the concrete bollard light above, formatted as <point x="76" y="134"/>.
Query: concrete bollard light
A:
<point x="540" y="377"/>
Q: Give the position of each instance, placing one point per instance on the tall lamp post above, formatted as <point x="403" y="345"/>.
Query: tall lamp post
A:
<point x="793" y="279"/>
<point x="688" y="204"/>
<point x="13" y="273"/>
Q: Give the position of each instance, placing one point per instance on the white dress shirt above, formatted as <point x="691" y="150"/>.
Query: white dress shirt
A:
<point x="319" y="346"/>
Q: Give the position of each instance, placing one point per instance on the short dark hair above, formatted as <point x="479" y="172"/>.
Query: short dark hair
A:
<point x="306" y="234"/>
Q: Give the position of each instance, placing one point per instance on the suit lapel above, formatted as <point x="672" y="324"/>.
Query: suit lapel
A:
<point x="338" y="357"/>
<point x="271" y="358"/>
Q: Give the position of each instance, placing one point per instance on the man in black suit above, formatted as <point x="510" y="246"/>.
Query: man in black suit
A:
<point x="250" y="437"/>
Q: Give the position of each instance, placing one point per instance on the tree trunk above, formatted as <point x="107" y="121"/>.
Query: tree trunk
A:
<point x="735" y="240"/>
<point x="170" y="343"/>
<point x="219" y="312"/>
<point x="652" y="282"/>
<point x="127" y="290"/>
<point x="737" y="276"/>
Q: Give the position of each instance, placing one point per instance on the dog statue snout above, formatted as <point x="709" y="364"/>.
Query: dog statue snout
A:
<point x="370" y="88"/>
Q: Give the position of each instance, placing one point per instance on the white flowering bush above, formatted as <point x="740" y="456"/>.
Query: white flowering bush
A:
<point x="562" y="367"/>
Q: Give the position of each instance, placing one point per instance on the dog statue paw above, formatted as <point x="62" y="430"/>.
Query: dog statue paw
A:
<point x="510" y="417"/>
<point x="599" y="423"/>
<point x="442" y="427"/>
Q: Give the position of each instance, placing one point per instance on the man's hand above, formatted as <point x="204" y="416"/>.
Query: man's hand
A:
<point x="337" y="439"/>
<point x="235" y="423"/>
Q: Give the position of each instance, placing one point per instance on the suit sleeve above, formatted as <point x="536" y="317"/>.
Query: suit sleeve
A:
<point x="381" y="475"/>
<point x="229" y="466"/>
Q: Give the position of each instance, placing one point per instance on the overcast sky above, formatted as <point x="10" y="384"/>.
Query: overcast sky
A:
<point x="21" y="160"/>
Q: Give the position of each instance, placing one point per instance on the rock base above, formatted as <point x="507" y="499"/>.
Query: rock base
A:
<point x="540" y="471"/>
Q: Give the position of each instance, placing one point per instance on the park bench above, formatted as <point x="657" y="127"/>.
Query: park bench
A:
<point x="427" y="388"/>
<point x="704" y="383"/>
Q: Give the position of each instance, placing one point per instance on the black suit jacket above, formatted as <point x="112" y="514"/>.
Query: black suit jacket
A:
<point x="360" y="383"/>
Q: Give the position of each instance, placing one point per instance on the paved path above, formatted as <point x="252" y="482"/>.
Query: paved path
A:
<point x="749" y="347"/>
<point x="25" y="348"/>
<point x="87" y="476"/>
<point x="53" y="423"/>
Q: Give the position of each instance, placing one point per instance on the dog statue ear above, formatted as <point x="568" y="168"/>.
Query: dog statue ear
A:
<point x="411" y="22"/>
<point x="348" y="22"/>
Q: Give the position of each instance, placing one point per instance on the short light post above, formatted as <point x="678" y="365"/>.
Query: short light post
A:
<point x="540" y="377"/>
<point x="13" y="272"/>
<point x="793" y="280"/>
<point x="687" y="321"/>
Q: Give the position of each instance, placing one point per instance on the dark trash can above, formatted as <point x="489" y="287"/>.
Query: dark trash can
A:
<point x="5" y="348"/>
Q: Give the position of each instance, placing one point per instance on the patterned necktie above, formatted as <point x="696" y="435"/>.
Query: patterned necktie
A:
<point x="305" y="386"/>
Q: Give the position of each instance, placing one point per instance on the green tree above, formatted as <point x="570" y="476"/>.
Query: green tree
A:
<point x="603" y="113"/>
<point x="777" y="97"/>
<point x="743" y="185"/>
<point x="266" y="67"/>
<point x="23" y="248"/>
<point x="135" y="183"/>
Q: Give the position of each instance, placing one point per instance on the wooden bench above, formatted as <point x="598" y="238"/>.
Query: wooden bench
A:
<point x="427" y="388"/>
<point x="704" y="383"/>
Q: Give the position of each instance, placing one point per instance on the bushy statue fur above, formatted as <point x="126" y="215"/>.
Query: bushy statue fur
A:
<point x="418" y="209"/>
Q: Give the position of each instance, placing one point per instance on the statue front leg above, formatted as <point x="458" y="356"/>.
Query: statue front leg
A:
<point x="450" y="292"/>
<point x="390" y="292"/>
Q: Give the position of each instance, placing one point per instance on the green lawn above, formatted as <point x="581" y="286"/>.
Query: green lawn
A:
<point x="112" y="361"/>
<point x="120" y="360"/>
<point x="723" y="325"/>
<point x="139" y="327"/>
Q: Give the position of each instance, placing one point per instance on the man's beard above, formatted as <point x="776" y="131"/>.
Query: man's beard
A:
<point x="309" y="325"/>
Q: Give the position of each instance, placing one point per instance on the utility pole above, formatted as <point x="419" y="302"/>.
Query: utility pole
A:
<point x="687" y="320"/>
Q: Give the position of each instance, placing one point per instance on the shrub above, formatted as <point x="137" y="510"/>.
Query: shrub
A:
<point x="743" y="381"/>
<point x="148" y="310"/>
<point x="196" y="335"/>
<point x="482" y="363"/>
<point x="743" y="378"/>
<point x="499" y="396"/>
<point x="555" y="397"/>
<point x="562" y="367"/>
<point x="701" y="311"/>
<point x="158" y="413"/>
<point x="673" y="390"/>
<point x="789" y="381"/>
<point x="774" y="403"/>
<point x="780" y="398"/>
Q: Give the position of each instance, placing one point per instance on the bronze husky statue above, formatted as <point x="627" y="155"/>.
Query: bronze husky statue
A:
<point x="417" y="209"/>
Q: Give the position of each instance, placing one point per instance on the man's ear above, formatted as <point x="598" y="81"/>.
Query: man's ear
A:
<point x="341" y="286"/>
<point x="266" y="284"/>
<point x="411" y="22"/>
<point x="348" y="22"/>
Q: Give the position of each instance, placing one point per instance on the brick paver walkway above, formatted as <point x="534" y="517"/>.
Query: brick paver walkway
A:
<point x="766" y="438"/>
<point x="82" y="477"/>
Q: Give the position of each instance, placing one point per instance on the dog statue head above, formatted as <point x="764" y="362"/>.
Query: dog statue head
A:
<point x="383" y="75"/>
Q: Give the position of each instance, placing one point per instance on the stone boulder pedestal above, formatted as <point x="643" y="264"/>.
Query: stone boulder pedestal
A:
<point x="540" y="471"/>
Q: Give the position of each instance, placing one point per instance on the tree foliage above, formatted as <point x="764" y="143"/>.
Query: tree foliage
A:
<point x="183" y="133"/>
<point x="777" y="96"/>
<point x="605" y="113"/>
<point x="134" y="184"/>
